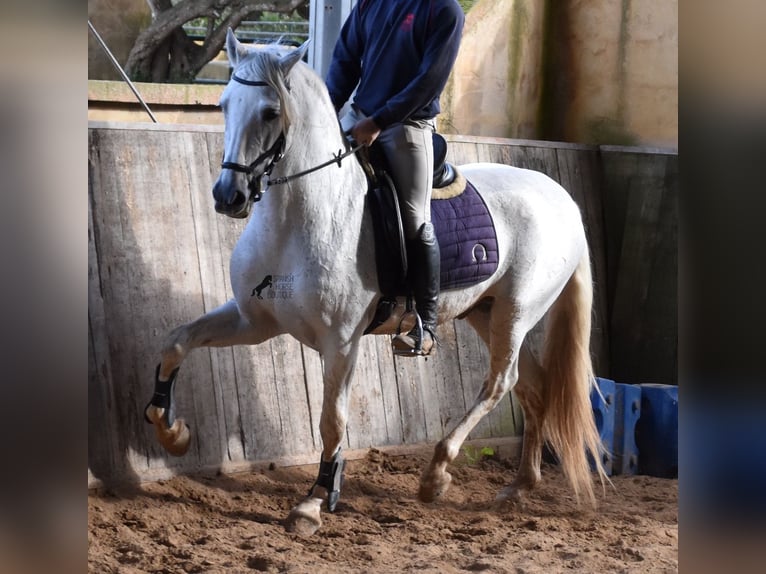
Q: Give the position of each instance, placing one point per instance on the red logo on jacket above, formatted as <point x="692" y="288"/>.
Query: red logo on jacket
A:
<point x="407" y="23"/>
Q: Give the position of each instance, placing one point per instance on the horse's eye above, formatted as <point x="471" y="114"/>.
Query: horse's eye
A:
<point x="269" y="114"/>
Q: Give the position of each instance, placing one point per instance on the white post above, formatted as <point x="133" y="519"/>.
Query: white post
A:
<point x="326" y="17"/>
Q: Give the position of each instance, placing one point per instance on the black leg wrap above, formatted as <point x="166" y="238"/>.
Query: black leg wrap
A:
<point x="331" y="479"/>
<point x="163" y="396"/>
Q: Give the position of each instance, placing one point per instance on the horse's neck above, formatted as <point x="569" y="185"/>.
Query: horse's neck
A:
<point x="327" y="193"/>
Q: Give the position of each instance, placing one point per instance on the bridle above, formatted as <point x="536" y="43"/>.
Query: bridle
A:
<point x="274" y="154"/>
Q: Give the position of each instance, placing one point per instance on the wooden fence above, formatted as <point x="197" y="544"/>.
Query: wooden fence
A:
<point x="158" y="256"/>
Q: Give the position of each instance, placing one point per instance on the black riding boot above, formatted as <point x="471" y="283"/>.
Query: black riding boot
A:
<point x="424" y="268"/>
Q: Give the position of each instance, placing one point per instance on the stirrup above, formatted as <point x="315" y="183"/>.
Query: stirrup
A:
<point x="411" y="344"/>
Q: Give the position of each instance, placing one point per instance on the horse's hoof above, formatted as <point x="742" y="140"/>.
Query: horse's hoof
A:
<point x="178" y="438"/>
<point x="301" y="524"/>
<point x="432" y="487"/>
<point x="305" y="519"/>
<point x="174" y="439"/>
<point x="509" y="496"/>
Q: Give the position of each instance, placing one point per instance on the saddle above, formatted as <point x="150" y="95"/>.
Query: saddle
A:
<point x="462" y="222"/>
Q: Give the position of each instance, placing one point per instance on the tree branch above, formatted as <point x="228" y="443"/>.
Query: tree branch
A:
<point x="173" y="17"/>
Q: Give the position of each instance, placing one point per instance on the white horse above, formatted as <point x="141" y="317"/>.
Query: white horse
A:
<point x="315" y="229"/>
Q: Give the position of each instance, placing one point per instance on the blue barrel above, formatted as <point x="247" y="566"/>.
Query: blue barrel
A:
<point x="627" y="411"/>
<point x="657" y="431"/>
<point x="603" y="404"/>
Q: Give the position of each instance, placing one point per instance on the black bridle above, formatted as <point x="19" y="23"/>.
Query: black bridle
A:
<point x="274" y="154"/>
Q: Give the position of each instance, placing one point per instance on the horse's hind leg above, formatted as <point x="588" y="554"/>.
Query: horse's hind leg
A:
<point x="529" y="392"/>
<point x="305" y="518"/>
<point x="505" y="336"/>
<point x="222" y="327"/>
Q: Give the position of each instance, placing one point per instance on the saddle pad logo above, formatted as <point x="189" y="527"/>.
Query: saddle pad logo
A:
<point x="275" y="287"/>
<point x="479" y="253"/>
<point x="407" y="23"/>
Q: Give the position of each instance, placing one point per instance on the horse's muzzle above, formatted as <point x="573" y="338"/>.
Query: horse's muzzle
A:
<point x="239" y="209"/>
<point x="239" y="205"/>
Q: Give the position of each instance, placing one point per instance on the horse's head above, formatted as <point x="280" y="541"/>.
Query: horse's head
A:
<point x="255" y="105"/>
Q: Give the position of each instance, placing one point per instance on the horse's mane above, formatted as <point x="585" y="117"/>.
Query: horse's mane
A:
<point x="262" y="63"/>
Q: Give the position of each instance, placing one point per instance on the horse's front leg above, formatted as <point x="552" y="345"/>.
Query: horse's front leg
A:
<point x="305" y="518"/>
<point x="222" y="327"/>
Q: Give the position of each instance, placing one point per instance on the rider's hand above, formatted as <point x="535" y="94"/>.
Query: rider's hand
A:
<point x="365" y="132"/>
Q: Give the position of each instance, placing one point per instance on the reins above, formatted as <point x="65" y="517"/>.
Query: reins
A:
<point x="337" y="158"/>
<point x="276" y="153"/>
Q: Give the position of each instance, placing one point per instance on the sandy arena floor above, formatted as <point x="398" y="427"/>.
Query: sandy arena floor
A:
<point x="233" y="524"/>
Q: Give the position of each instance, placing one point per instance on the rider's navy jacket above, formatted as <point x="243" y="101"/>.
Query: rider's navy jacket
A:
<point x="406" y="48"/>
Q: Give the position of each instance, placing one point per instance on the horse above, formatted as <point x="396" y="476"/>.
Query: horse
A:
<point x="311" y="224"/>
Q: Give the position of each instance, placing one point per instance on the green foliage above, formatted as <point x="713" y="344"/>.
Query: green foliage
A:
<point x="466" y="5"/>
<point x="474" y="455"/>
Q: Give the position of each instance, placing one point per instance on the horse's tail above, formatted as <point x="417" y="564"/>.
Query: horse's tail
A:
<point x="569" y="426"/>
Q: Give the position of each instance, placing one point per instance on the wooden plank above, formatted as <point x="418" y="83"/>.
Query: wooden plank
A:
<point x="619" y="171"/>
<point x="163" y="222"/>
<point x="389" y="390"/>
<point x="474" y="365"/>
<point x="411" y="400"/>
<point x="313" y="381"/>
<point x="113" y="265"/>
<point x="208" y="399"/>
<point x="458" y="139"/>
<point x="102" y="444"/>
<point x="295" y="436"/>
<point x="422" y="371"/>
<point x="257" y="398"/>
<point x="214" y="277"/>
<point x="251" y="390"/>
<point x="146" y="224"/>
<point x="644" y="329"/>
<point x="367" y="418"/>
<point x="579" y="175"/>
<point x="460" y="153"/>
<point x="103" y="127"/>
<point x="446" y="379"/>
<point x="542" y="159"/>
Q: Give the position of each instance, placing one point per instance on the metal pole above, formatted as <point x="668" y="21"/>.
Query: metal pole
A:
<point x="326" y="18"/>
<point x="121" y="71"/>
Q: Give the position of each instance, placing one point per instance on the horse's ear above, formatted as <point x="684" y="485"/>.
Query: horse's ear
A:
<point x="287" y="61"/>
<point x="234" y="48"/>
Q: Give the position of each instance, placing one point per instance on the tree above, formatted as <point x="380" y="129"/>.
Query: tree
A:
<point x="163" y="52"/>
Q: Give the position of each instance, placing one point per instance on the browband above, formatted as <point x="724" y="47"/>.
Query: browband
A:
<point x="236" y="78"/>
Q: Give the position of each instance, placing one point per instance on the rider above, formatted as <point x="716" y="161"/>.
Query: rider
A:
<point x="398" y="55"/>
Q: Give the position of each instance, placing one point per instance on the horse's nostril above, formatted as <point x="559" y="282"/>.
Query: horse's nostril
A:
<point x="238" y="199"/>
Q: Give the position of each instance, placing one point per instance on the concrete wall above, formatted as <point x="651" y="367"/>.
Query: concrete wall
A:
<point x="495" y="86"/>
<point x="625" y="77"/>
<point x="596" y="71"/>
<point x="170" y="103"/>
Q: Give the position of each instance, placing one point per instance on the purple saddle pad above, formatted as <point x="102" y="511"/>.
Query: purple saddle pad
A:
<point x="467" y="239"/>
